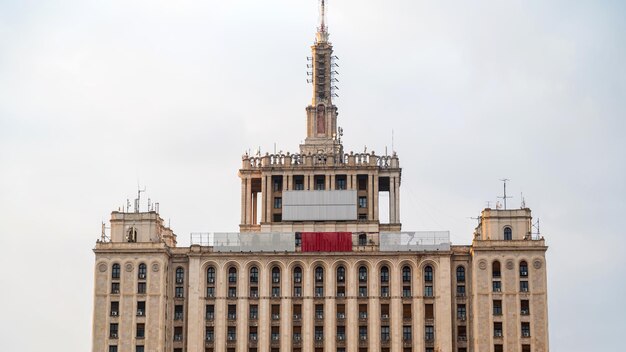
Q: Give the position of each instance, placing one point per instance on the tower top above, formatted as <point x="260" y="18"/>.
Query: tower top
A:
<point x="322" y="30"/>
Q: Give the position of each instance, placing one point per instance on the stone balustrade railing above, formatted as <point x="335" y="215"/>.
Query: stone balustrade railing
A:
<point x="296" y="160"/>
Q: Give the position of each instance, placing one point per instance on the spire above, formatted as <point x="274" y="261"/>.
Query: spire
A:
<point x="322" y="30"/>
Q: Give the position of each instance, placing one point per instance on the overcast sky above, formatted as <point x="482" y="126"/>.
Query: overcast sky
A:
<point x="98" y="95"/>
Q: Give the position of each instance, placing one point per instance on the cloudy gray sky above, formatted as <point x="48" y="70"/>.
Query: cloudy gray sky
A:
<point x="96" y="95"/>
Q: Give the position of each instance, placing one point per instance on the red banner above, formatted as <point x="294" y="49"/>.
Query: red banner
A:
<point x="327" y="241"/>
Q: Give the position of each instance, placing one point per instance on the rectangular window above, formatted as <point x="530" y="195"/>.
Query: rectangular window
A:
<point x="275" y="311"/>
<point x="497" y="307"/>
<point x="428" y="291"/>
<point x="362" y="202"/>
<point x="113" y="330"/>
<point x="525" y="329"/>
<point x="497" y="329"/>
<point x="115" y="309"/>
<point x="277" y="183"/>
<point x="525" y="307"/>
<point x="297" y="312"/>
<point x="179" y="292"/>
<point x="254" y="292"/>
<point x="209" y="333"/>
<point x="362" y="311"/>
<point x="460" y="290"/>
<point x="278" y="202"/>
<point x="319" y="291"/>
<point x="253" y="336"/>
<point x="362" y="333"/>
<point x="384" y="291"/>
<point x="384" y="333"/>
<point x="523" y="286"/>
<point x="297" y="291"/>
<point x="497" y="286"/>
<point x="461" y="311"/>
<point x="429" y="331"/>
<point x="275" y="333"/>
<point x="112" y="348"/>
<point x="406" y="333"/>
<point x="406" y="311"/>
<point x="341" y="333"/>
<point x="498" y="348"/>
<point x="178" y="312"/>
<point x="115" y="287"/>
<point x="232" y="312"/>
<point x="141" y="287"/>
<point x="320" y="182"/>
<point x="232" y="292"/>
<point x="461" y="333"/>
<point x="210" y="292"/>
<point x="362" y="291"/>
<point x="298" y="183"/>
<point x="362" y="182"/>
<point x="341" y="311"/>
<point x="254" y="312"/>
<point x="384" y="311"/>
<point x="429" y="311"/>
<point x="406" y="291"/>
<point x="178" y="333"/>
<point x="319" y="311"/>
<point x="525" y="348"/>
<point x="141" y="331"/>
<point x="139" y="348"/>
<point x="319" y="333"/>
<point x="141" y="308"/>
<point x="340" y="182"/>
<point x="275" y="291"/>
<point x="210" y="312"/>
<point x="298" y="244"/>
<point x="231" y="335"/>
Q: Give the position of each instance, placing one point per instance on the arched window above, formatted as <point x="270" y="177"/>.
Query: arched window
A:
<point x="297" y="275"/>
<point x="210" y="275"/>
<point x="143" y="271"/>
<point x="362" y="274"/>
<point x="523" y="269"/>
<point x="428" y="273"/>
<point x="495" y="269"/>
<point x="341" y="274"/>
<point x="460" y="274"/>
<point x="180" y="275"/>
<point x="406" y="274"/>
<point x="508" y="234"/>
<point x="362" y="239"/>
<point x="115" y="271"/>
<point x="254" y="275"/>
<point x="275" y="275"/>
<point x="319" y="274"/>
<point x="384" y="274"/>
<point x="232" y="275"/>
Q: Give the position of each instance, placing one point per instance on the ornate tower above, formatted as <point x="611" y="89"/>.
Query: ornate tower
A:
<point x="322" y="137"/>
<point x="321" y="187"/>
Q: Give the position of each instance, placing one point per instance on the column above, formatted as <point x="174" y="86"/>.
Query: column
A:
<point x="392" y="200"/>
<point x="397" y="200"/>
<point x="195" y="307"/>
<point x="375" y="179"/>
<point x="248" y="203"/>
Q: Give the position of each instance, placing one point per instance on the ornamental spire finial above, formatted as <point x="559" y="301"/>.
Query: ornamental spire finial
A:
<point x="322" y="30"/>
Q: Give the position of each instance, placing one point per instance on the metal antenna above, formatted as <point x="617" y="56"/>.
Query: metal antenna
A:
<point x="504" y="197"/>
<point x="393" y="149"/>
<point x="138" y="200"/>
<point x="477" y="220"/>
<point x="322" y="16"/>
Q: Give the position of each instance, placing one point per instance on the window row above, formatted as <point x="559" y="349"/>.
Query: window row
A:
<point x="115" y="308"/>
<point x="142" y="272"/>
<point x="497" y="273"/>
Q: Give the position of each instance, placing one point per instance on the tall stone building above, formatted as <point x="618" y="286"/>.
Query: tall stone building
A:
<point x="313" y="269"/>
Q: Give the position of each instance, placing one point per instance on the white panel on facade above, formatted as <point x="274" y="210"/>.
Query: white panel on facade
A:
<point x="415" y="241"/>
<point x="254" y="242"/>
<point x="268" y="242"/>
<point x="319" y="205"/>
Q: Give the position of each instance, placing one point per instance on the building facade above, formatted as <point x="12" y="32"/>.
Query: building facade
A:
<point x="313" y="269"/>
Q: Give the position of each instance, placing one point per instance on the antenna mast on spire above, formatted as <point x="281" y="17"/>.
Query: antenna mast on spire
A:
<point x="504" y="197"/>
<point x="322" y="30"/>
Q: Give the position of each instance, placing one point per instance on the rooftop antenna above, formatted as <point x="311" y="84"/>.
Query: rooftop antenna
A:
<point x="477" y="220"/>
<point x="488" y="204"/>
<point x="103" y="236"/>
<point x="536" y="227"/>
<point x="138" y="200"/>
<point x="127" y="205"/>
<point x="523" y="204"/>
<point x="504" y="197"/>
